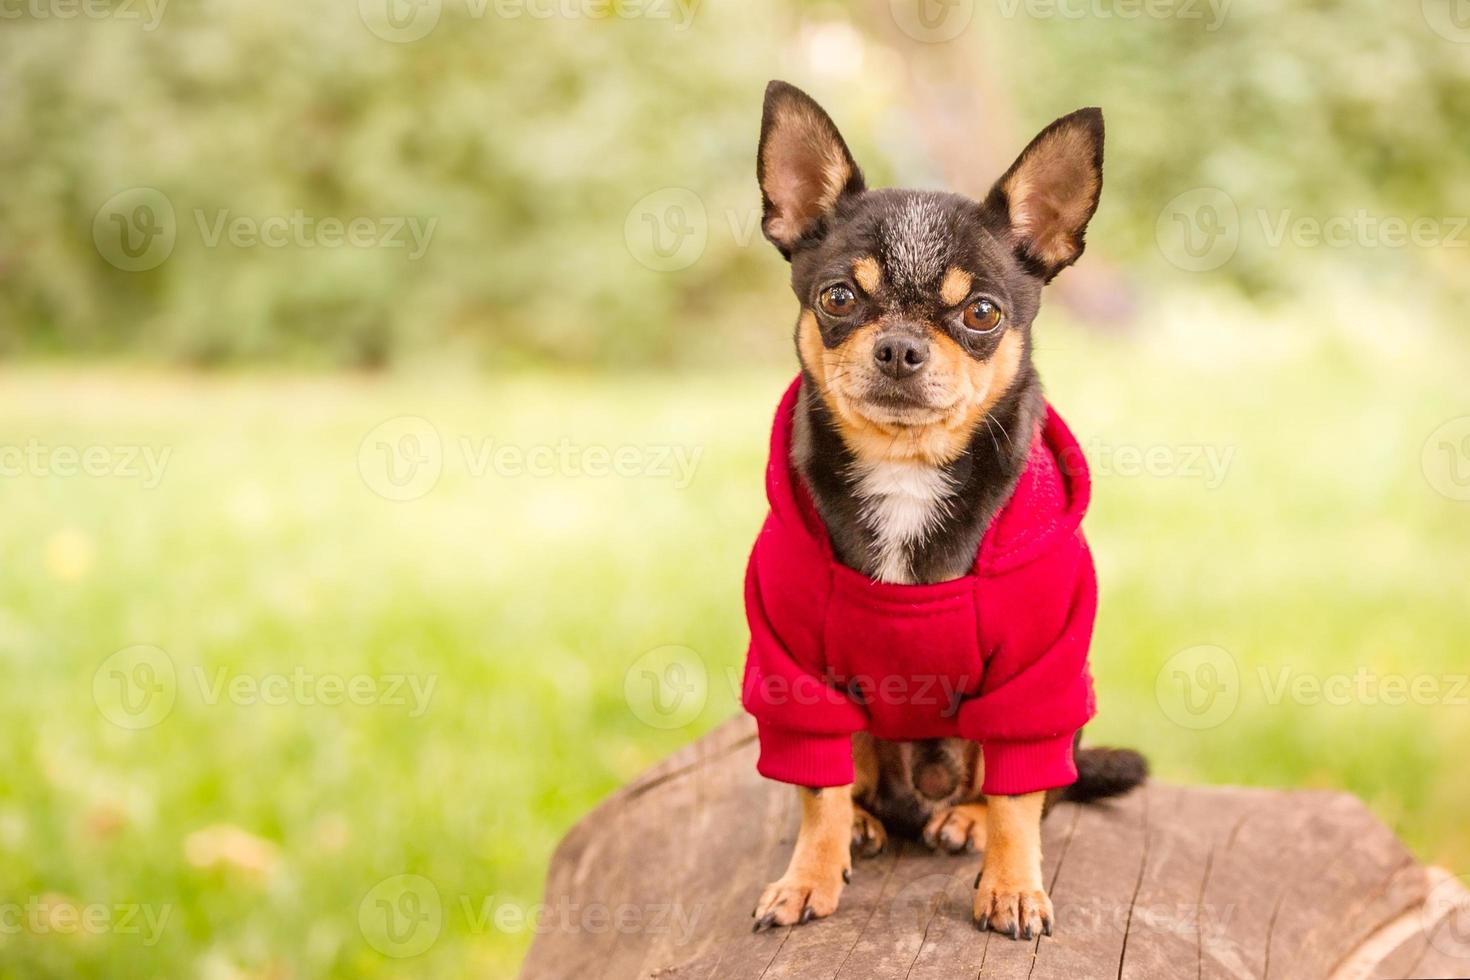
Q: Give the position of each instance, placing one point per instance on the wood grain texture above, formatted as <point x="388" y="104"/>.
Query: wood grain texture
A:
<point x="1167" y="881"/>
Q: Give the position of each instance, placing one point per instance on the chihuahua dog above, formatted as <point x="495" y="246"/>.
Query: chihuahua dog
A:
<point x="924" y="525"/>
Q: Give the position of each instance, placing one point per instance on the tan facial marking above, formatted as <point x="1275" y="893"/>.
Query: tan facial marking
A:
<point x="977" y="385"/>
<point x="868" y="274"/>
<point x="809" y="348"/>
<point x="955" y="287"/>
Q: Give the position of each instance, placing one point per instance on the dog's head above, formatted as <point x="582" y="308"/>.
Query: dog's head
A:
<point x="917" y="305"/>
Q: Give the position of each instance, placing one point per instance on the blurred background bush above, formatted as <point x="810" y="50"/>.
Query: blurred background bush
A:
<point x="320" y="262"/>
<point x="527" y="130"/>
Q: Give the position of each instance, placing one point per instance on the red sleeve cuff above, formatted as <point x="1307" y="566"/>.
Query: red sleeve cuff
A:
<point x="1014" y="768"/>
<point x="804" y="759"/>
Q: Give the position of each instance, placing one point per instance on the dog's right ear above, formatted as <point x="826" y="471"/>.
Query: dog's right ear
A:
<point x="803" y="166"/>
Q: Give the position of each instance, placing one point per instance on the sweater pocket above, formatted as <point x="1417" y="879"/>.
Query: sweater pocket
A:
<point x="908" y="654"/>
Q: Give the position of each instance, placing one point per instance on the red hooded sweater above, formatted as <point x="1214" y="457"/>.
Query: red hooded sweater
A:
<point x="998" y="656"/>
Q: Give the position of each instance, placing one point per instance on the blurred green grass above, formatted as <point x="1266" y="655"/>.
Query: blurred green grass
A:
<point x="526" y="600"/>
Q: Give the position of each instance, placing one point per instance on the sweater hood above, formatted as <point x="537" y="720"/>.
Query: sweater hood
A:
<point x="1044" y="511"/>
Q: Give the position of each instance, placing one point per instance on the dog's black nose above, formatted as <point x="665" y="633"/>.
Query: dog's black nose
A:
<point x="900" y="354"/>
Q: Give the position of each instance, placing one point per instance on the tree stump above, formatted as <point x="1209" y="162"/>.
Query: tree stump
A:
<point x="1168" y="881"/>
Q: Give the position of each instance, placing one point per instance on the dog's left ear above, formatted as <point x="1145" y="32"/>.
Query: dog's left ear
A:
<point x="803" y="166"/>
<point x="1051" y="191"/>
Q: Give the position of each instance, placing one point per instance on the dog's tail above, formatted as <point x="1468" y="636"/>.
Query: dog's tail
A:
<point x="1102" y="773"/>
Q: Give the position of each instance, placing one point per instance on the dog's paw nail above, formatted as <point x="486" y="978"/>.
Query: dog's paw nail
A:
<point x="1046" y="927"/>
<point x="806" y="916"/>
<point x="764" y="922"/>
<point x="1012" y="931"/>
<point x="977" y="882"/>
<point x="847" y="876"/>
<point x="983" y="923"/>
<point x="1026" y="933"/>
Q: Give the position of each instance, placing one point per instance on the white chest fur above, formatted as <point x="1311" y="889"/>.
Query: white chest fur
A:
<point x="901" y="504"/>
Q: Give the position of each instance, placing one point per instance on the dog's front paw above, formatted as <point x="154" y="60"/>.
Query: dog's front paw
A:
<point x="798" y="898"/>
<point x="1018" y="912"/>
<point x="957" y="829"/>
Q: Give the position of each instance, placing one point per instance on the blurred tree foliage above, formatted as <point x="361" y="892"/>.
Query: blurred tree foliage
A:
<point x="530" y="139"/>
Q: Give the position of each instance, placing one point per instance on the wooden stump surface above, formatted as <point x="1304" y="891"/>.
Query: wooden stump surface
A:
<point x="1168" y="881"/>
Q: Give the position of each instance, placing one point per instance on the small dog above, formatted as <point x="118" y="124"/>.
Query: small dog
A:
<point x="920" y="598"/>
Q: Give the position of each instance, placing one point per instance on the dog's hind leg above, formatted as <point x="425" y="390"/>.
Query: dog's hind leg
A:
<point x="869" y="836"/>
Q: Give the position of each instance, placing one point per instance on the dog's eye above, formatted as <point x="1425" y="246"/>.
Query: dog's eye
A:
<point x="838" y="300"/>
<point x="982" y="316"/>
